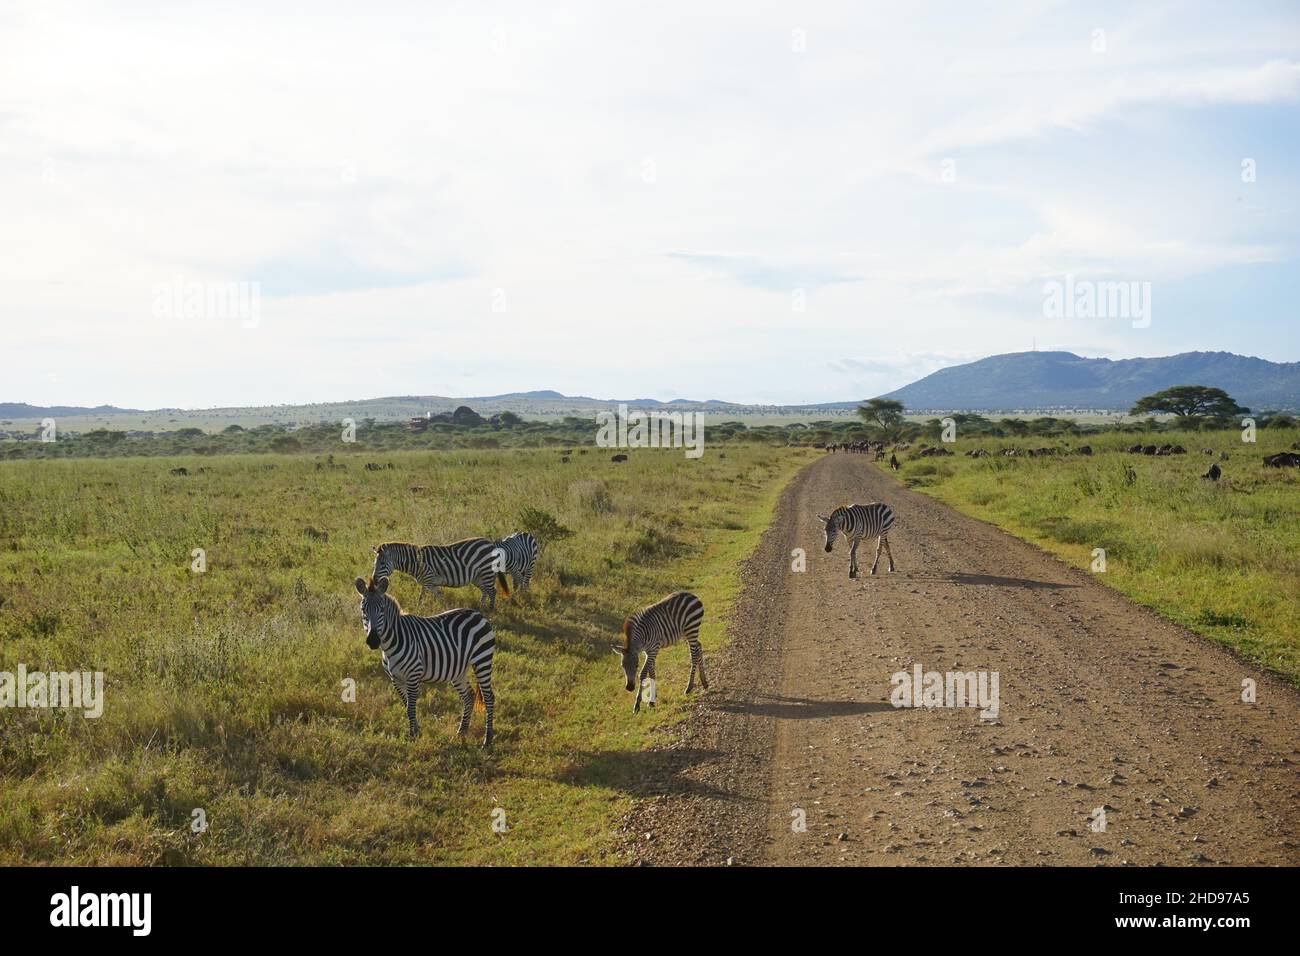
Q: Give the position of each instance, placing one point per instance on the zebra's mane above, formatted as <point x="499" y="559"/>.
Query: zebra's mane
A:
<point x="627" y="632"/>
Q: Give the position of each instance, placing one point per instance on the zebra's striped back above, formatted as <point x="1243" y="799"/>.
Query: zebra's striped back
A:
<point x="665" y="622"/>
<point x="519" y="553"/>
<point x="471" y="561"/>
<point x="860" y="521"/>
<point x="438" y="649"/>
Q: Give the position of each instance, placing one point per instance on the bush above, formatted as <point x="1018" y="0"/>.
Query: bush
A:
<point x="542" y="525"/>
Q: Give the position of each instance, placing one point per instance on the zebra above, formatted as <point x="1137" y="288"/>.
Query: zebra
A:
<point x="431" y="650"/>
<point x="655" y="627"/>
<point x="856" y="522"/>
<point x="471" y="561"/>
<point x="517" y="556"/>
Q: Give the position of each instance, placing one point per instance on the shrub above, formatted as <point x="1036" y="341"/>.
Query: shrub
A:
<point x="542" y="525"/>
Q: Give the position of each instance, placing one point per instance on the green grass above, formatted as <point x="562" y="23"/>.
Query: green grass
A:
<point x="1221" y="558"/>
<point x="224" y="689"/>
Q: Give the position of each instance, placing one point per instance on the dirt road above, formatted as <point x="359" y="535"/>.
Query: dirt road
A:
<point x="1105" y="711"/>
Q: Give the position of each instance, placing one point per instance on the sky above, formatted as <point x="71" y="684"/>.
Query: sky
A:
<point x="759" y="202"/>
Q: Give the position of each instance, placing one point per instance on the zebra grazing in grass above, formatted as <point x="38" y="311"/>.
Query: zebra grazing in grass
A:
<point x="451" y="566"/>
<point x="653" y="628"/>
<point x="431" y="650"/>
<point x="856" y="522"/>
<point x="519" y="553"/>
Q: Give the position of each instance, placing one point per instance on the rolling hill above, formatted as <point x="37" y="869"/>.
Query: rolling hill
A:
<point x="1044" y="381"/>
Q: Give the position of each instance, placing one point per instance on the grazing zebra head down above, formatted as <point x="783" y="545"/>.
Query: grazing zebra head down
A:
<point x="377" y="609"/>
<point x="629" y="654"/>
<point x="662" y="624"/>
<point x="394" y="556"/>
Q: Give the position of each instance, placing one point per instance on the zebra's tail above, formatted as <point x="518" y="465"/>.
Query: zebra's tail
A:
<point x="502" y="584"/>
<point x="478" y="696"/>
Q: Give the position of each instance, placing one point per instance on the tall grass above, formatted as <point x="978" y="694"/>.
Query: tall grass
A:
<point x="225" y="689"/>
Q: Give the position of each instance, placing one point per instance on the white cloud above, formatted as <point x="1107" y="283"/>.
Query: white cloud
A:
<point x="642" y="188"/>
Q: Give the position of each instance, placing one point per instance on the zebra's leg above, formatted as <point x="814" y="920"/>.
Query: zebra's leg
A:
<point x="466" y="705"/>
<point x="412" y="695"/>
<point x="697" y="664"/>
<point x="647" y="671"/>
<point x="853" y="557"/>
<point x="483" y="676"/>
<point x="880" y="542"/>
<point x="489" y="589"/>
<point x="889" y="554"/>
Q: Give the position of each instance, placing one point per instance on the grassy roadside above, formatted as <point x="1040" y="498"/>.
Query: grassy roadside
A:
<point x="224" y="688"/>
<point x="1221" y="558"/>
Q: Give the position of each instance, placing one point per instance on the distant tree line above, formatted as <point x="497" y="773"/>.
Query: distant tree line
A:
<point x="1193" y="408"/>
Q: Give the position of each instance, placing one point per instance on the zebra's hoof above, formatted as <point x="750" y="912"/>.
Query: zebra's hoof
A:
<point x="487" y="742"/>
<point x="853" y="575"/>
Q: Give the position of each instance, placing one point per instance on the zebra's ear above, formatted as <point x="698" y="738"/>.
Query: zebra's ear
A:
<point x="823" y="519"/>
<point x="617" y="649"/>
<point x="381" y="585"/>
<point x="360" y="584"/>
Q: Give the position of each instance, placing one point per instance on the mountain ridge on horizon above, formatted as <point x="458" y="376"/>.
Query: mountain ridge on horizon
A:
<point x="1033" y="380"/>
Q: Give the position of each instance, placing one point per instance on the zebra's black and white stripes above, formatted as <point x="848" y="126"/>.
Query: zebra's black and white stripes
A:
<point x="677" y="617"/>
<point x="454" y="565"/>
<point x="427" y="650"/>
<point x="856" y="522"/>
<point x="517" y="554"/>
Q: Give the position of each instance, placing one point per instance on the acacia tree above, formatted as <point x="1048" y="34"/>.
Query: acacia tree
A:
<point x="886" y="414"/>
<point x="1190" y="400"/>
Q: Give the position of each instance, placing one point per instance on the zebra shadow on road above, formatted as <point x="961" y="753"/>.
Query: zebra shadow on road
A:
<point x="800" y="708"/>
<point x="646" y="773"/>
<point x="991" y="580"/>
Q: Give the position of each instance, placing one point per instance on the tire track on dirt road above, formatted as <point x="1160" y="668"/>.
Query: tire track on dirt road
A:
<point x="1103" y="704"/>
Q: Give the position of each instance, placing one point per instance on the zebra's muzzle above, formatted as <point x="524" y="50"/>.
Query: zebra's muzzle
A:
<point x="828" y="548"/>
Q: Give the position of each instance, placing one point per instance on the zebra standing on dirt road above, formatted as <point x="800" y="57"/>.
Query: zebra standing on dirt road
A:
<point x="517" y="554"/>
<point x="431" y="650"/>
<point x="856" y="522"/>
<point x="470" y="561"/>
<point x="677" y="617"/>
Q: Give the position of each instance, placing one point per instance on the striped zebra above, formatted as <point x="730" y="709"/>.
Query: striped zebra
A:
<point x="452" y="566"/>
<point x="653" y="628"/>
<point x="431" y="650"/>
<point x="856" y="522"/>
<point x="517" y="555"/>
